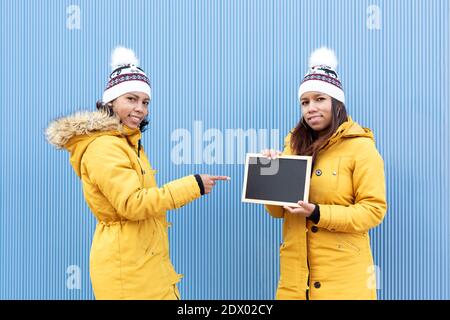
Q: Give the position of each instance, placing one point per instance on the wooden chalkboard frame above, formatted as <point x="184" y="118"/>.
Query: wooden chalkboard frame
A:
<point x="278" y="203"/>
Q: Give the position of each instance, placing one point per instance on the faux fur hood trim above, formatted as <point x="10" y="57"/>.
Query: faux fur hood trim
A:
<point x="61" y="130"/>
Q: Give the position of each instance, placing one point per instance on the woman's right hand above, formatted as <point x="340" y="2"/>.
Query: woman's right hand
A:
<point x="271" y="154"/>
<point x="210" y="181"/>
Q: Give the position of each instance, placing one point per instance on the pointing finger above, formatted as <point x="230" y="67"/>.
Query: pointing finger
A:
<point x="220" y="178"/>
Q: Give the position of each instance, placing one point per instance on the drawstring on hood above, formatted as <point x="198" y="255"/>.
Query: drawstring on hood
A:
<point x="139" y="148"/>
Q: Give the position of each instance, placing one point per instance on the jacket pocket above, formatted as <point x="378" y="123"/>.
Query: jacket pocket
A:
<point x="148" y="236"/>
<point x="336" y="174"/>
<point x="347" y="245"/>
<point x="326" y="174"/>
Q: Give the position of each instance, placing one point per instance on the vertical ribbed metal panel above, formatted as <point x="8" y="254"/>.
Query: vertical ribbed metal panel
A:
<point x="226" y="65"/>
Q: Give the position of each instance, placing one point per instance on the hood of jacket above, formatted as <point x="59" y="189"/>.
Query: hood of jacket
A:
<point x="76" y="131"/>
<point x="349" y="129"/>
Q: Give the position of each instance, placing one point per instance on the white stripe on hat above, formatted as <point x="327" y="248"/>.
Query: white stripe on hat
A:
<point x="125" y="87"/>
<point x="321" y="86"/>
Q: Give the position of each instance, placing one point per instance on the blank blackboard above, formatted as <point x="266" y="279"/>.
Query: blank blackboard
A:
<point x="281" y="181"/>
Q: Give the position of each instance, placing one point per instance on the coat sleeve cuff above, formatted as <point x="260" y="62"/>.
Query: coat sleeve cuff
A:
<point x="330" y="219"/>
<point x="183" y="190"/>
<point x="325" y="217"/>
<point x="315" y="215"/>
<point x="200" y="184"/>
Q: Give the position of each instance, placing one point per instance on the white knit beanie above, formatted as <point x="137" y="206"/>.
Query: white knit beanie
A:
<point x="322" y="75"/>
<point x="126" y="75"/>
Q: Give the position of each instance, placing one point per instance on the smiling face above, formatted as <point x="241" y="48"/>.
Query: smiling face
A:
<point x="132" y="108"/>
<point x="317" y="110"/>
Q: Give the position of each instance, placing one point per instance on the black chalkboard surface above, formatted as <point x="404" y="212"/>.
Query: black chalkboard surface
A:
<point x="281" y="181"/>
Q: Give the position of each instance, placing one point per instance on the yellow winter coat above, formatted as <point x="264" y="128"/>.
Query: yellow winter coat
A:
<point x="129" y="256"/>
<point x="333" y="259"/>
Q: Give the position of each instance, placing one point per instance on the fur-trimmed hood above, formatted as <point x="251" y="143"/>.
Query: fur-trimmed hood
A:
<point x="61" y="130"/>
<point x="76" y="131"/>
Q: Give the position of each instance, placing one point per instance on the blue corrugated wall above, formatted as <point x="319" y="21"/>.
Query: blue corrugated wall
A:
<point x="224" y="65"/>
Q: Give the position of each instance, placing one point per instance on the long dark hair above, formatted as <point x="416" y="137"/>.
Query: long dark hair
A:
<point x="104" y="107"/>
<point x="306" y="142"/>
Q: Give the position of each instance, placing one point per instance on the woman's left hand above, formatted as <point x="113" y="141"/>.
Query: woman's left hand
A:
<point x="305" y="209"/>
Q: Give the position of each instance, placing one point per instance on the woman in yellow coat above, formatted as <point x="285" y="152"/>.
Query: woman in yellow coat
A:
<point x="326" y="251"/>
<point x="129" y="257"/>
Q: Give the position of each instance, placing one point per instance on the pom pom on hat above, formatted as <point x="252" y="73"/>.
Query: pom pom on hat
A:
<point x="323" y="57"/>
<point x="122" y="56"/>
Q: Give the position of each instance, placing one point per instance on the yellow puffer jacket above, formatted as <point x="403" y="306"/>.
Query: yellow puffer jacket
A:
<point x="129" y="256"/>
<point x="333" y="259"/>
